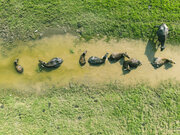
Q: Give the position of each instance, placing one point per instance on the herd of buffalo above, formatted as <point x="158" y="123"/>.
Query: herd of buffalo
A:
<point x="128" y="62"/>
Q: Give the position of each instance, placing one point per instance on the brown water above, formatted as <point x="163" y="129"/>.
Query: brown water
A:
<point x="70" y="71"/>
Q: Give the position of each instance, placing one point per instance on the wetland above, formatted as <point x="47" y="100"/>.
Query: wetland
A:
<point x="69" y="49"/>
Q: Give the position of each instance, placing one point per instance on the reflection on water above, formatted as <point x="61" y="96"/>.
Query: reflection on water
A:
<point x="66" y="48"/>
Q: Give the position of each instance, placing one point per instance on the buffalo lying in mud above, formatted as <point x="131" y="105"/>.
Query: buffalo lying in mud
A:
<point x="162" y="34"/>
<point x="130" y="63"/>
<point x="93" y="60"/>
<point x="82" y="60"/>
<point x="18" y="67"/>
<point x="114" y="57"/>
<point x="53" y="63"/>
<point x="158" y="62"/>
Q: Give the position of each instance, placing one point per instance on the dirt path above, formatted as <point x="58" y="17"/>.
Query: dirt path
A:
<point x="67" y="48"/>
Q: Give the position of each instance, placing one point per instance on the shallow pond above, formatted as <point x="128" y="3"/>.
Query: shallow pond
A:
<point x="67" y="48"/>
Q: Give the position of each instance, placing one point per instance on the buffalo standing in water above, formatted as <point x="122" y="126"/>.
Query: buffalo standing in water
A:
<point x="162" y="33"/>
<point x="53" y="63"/>
<point x="82" y="60"/>
<point x="93" y="60"/>
<point x="18" y="67"/>
<point x="117" y="56"/>
<point x="158" y="62"/>
<point x="131" y="63"/>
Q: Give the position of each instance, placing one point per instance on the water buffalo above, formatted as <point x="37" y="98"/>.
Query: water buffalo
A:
<point x="53" y="63"/>
<point x="117" y="56"/>
<point x="130" y="63"/>
<point x="93" y="60"/>
<point x="162" y="33"/>
<point x="158" y="62"/>
<point x="82" y="60"/>
<point x="18" y="67"/>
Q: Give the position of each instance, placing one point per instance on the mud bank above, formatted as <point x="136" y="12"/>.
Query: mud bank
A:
<point x="66" y="47"/>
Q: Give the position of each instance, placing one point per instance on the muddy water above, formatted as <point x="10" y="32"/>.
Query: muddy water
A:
<point x="69" y="50"/>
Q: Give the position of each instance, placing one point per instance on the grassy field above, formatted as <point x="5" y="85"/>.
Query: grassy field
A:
<point x="84" y="110"/>
<point x="28" y="19"/>
<point x="80" y="109"/>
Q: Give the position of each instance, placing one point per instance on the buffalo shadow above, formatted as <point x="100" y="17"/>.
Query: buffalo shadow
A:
<point x="150" y="50"/>
<point x="112" y="61"/>
<point x="41" y="68"/>
<point x="96" y="65"/>
<point x="168" y="66"/>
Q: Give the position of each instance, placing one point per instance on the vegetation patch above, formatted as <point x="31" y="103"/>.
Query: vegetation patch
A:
<point x="28" y="20"/>
<point x="82" y="109"/>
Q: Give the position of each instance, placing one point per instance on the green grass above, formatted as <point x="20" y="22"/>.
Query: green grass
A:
<point x="19" y="19"/>
<point x="80" y="109"/>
